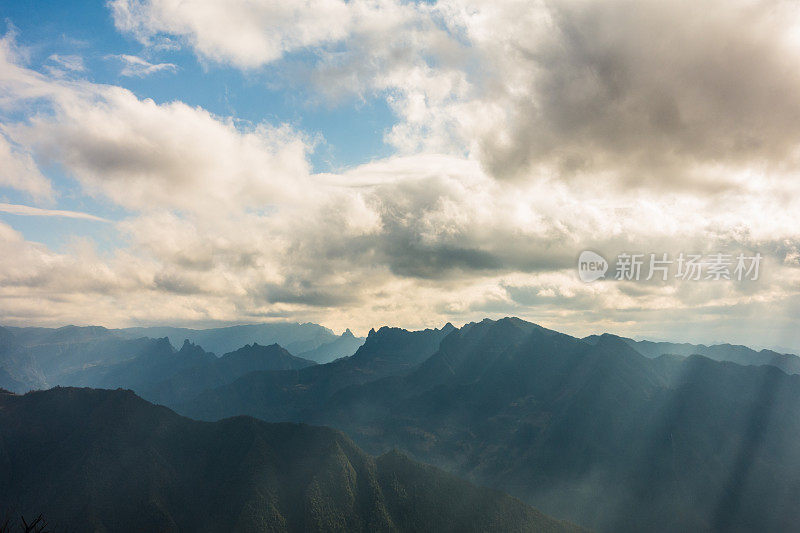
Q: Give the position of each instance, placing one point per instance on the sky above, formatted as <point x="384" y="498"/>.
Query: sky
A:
<point x="371" y="162"/>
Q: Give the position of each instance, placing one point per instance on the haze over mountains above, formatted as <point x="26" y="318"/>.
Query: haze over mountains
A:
<point x="308" y="340"/>
<point x="288" y="396"/>
<point x="607" y="432"/>
<point x="35" y="358"/>
<point x="743" y="355"/>
<point x="593" y="432"/>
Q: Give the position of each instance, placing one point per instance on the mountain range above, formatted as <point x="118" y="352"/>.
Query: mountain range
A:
<point x="588" y="430"/>
<point x="604" y="431"/>
<point x="742" y="355"/>
<point x="37" y="358"/>
<point x="168" y="376"/>
<point x="99" y="460"/>
<point x="308" y="340"/>
<point x="298" y="395"/>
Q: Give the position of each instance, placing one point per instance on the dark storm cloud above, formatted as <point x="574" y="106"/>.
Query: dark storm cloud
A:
<point x="648" y="90"/>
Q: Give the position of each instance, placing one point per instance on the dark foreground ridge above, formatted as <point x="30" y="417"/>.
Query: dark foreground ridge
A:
<point x="97" y="460"/>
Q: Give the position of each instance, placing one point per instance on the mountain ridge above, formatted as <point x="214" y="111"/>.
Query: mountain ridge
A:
<point x="558" y="421"/>
<point x="143" y="467"/>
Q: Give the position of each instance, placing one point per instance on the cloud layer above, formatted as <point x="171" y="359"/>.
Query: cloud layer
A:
<point x="526" y="132"/>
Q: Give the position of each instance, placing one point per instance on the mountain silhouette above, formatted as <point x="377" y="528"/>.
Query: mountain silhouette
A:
<point x="342" y="346"/>
<point x="38" y="358"/>
<point x="310" y="341"/>
<point x="185" y="384"/>
<point x="742" y="355"/>
<point x="587" y="430"/>
<point x="297" y="395"/>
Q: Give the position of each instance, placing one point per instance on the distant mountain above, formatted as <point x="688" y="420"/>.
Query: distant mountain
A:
<point x="186" y="384"/>
<point x="159" y="362"/>
<point x="298" y="339"/>
<point x="168" y="376"/>
<point x="742" y="355"/>
<point x="345" y="345"/>
<point x="593" y="431"/>
<point x="109" y="461"/>
<point x="589" y="430"/>
<point x="34" y="336"/>
<point x="38" y="358"/>
<point x="295" y="395"/>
